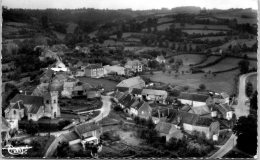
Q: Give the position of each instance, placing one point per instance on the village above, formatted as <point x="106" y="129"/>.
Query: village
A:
<point x="127" y="94"/>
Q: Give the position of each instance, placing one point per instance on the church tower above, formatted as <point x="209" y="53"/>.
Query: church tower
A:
<point x="52" y="108"/>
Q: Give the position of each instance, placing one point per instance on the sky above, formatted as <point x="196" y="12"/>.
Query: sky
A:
<point x="134" y="4"/>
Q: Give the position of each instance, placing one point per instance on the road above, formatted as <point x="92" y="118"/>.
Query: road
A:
<point x="241" y="109"/>
<point x="231" y="142"/>
<point x="104" y="112"/>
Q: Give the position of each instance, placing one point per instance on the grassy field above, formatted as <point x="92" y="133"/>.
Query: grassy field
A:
<point x="164" y="19"/>
<point x="189" y="58"/>
<point x="209" y="60"/>
<point x="248" y="42"/>
<point x="107" y="84"/>
<point x="227" y="63"/>
<point x="222" y="82"/>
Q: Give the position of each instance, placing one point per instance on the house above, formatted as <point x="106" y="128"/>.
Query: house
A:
<point x="93" y="93"/>
<point x="5" y="130"/>
<point x="168" y="130"/>
<point x="134" y="82"/>
<point x="193" y="99"/>
<point x="88" y="133"/>
<point x="139" y="108"/>
<point x="192" y="122"/>
<point x="94" y="70"/>
<point x="200" y="110"/>
<point x="8" y="66"/>
<point x="15" y="111"/>
<point x="219" y="98"/>
<point x="134" y="65"/>
<point x="68" y="89"/>
<point x="155" y="95"/>
<point x="59" y="66"/>
<point x="80" y="89"/>
<point x="160" y="59"/>
<point x="114" y="69"/>
<point x="222" y="111"/>
<point x="35" y="106"/>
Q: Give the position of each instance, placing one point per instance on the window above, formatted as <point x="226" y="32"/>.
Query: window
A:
<point x="54" y="101"/>
<point x="14" y="112"/>
<point x="47" y="101"/>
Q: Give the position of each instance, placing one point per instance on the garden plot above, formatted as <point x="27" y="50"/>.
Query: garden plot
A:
<point x="189" y="58"/>
<point x="227" y="63"/>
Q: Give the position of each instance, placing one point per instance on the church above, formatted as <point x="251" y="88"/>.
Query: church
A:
<point x="33" y="107"/>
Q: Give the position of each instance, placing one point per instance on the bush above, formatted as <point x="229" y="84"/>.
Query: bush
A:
<point x="202" y="87"/>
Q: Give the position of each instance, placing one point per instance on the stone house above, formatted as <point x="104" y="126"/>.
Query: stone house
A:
<point x="168" y="131"/>
<point x="134" y="65"/>
<point x="94" y="70"/>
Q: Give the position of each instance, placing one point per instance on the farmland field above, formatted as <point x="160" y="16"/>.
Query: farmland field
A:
<point x="248" y="42"/>
<point x="223" y="82"/>
<point x="189" y="58"/>
<point x="212" y="38"/>
<point x="209" y="60"/>
<point x="186" y="26"/>
<point x="227" y="63"/>
<point x="164" y="19"/>
<point x="194" y="31"/>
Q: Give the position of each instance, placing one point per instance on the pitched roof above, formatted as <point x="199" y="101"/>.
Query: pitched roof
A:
<point x="122" y="89"/>
<point x="131" y="82"/>
<point x="155" y="92"/>
<point x="193" y="97"/>
<point x="201" y="110"/>
<point x="136" y="91"/>
<point x="94" y="66"/>
<point x="18" y="105"/>
<point x="133" y="63"/>
<point x="186" y="108"/>
<point x="164" y="127"/>
<point x="28" y="99"/>
<point x="34" y="109"/>
<point x="84" y="128"/>
<point x="222" y="108"/>
<point x="160" y="58"/>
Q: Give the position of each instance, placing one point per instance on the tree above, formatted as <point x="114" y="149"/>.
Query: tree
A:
<point x="249" y="89"/>
<point x="246" y="132"/>
<point x="44" y="21"/>
<point x="63" y="149"/>
<point x="119" y="34"/>
<point x="244" y="66"/>
<point x="32" y="128"/>
<point x="253" y="101"/>
<point x="202" y="87"/>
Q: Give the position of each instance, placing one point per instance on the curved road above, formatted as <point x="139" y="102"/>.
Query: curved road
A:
<point x="104" y="111"/>
<point x="241" y="109"/>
